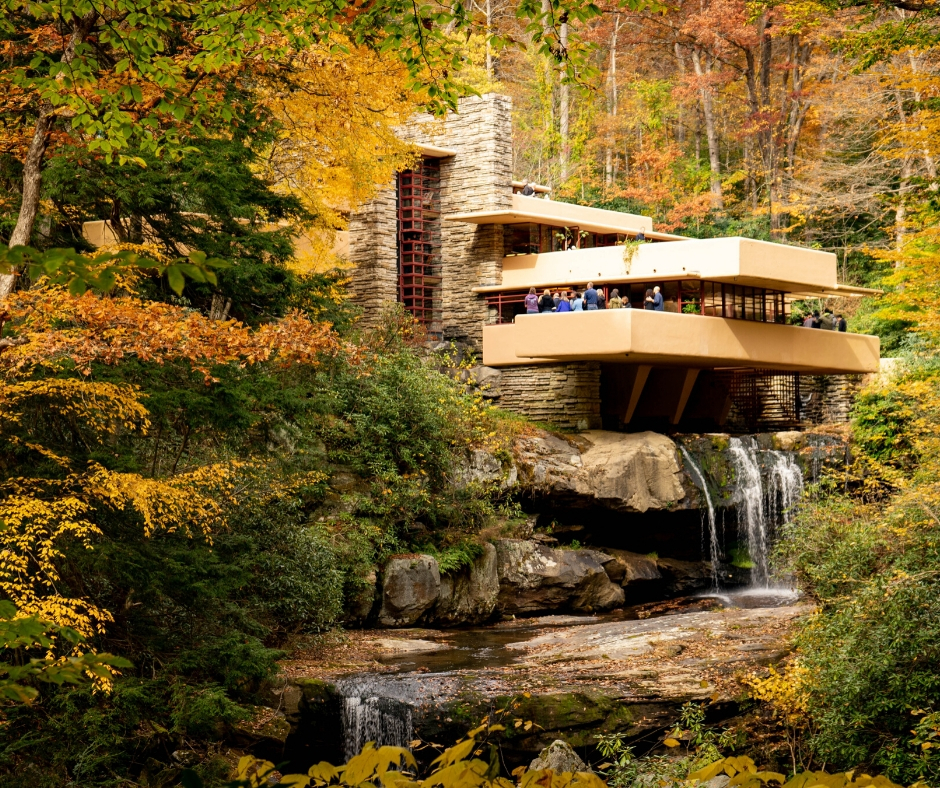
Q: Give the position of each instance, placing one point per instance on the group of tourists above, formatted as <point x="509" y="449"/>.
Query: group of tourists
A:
<point x="828" y="321"/>
<point x="589" y="300"/>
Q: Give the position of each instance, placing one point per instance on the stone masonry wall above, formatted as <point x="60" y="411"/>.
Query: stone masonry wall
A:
<point x="478" y="178"/>
<point x="566" y="395"/>
<point x="373" y="248"/>
<point x="828" y="399"/>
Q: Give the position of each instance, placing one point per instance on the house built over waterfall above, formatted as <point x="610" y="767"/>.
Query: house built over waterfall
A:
<point x="457" y="244"/>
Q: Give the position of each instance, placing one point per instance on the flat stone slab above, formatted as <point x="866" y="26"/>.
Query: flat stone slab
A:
<point x="403" y="646"/>
<point x="736" y="630"/>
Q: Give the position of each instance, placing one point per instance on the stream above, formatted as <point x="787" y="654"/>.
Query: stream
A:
<point x="587" y="673"/>
<point x="382" y="706"/>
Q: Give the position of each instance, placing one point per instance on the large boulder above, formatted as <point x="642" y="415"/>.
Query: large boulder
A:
<point x="535" y="578"/>
<point x="684" y="577"/>
<point x="559" y="757"/>
<point x="410" y="588"/>
<point x="627" y="569"/>
<point x="627" y="472"/>
<point x="469" y="596"/>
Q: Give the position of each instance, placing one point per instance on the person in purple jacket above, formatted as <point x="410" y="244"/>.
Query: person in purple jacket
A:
<point x="531" y="302"/>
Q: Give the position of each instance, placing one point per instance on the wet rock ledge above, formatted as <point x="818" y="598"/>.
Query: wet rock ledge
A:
<point x="571" y="682"/>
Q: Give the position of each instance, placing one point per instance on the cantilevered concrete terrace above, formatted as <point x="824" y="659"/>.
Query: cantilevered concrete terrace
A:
<point x="636" y="336"/>
<point x="726" y="306"/>
<point x="562" y="214"/>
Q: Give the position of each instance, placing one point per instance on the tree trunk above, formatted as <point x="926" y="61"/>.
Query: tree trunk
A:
<point x="904" y="186"/>
<point x="711" y="134"/>
<point x="32" y="184"/>
<point x="32" y="167"/>
<point x="680" y="123"/>
<point x="549" y="99"/>
<point x="929" y="161"/>
<point x="489" y="46"/>
<point x="563" y="108"/>
<point x="612" y="105"/>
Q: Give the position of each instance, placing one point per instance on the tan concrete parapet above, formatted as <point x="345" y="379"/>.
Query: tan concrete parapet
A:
<point x="636" y="336"/>
<point x="558" y="214"/>
<point x="741" y="261"/>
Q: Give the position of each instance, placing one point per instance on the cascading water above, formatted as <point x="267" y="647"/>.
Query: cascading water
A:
<point x="713" y="547"/>
<point x="762" y="506"/>
<point x="749" y="499"/>
<point x="784" y="486"/>
<point x="376" y="710"/>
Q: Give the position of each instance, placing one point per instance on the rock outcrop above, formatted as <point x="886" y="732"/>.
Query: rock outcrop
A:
<point x="630" y="569"/>
<point x="535" y="578"/>
<point x="526" y="577"/>
<point x="629" y="676"/>
<point x="559" y="757"/>
<point x="628" y="472"/>
<point x="410" y="588"/>
<point x="481" y="467"/>
<point x="469" y="596"/>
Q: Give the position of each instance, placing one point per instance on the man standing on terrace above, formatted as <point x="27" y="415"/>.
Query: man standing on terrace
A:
<point x="657" y="300"/>
<point x="590" y="297"/>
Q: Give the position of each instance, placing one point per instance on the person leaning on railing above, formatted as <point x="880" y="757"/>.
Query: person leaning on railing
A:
<point x="546" y="302"/>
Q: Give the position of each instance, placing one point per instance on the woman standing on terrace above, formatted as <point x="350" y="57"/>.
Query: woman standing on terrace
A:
<point x="531" y="302"/>
<point x="546" y="302"/>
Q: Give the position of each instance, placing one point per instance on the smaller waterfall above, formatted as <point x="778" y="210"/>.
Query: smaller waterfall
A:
<point x="749" y="497"/>
<point x="763" y="501"/>
<point x="713" y="547"/>
<point x="785" y="486"/>
<point x="376" y="710"/>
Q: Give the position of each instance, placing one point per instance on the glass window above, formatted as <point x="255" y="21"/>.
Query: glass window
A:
<point x="521" y="239"/>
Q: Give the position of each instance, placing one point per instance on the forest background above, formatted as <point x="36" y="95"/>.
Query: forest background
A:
<point x="174" y="404"/>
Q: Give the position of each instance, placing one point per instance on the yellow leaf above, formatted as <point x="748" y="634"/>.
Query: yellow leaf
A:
<point x="671" y="742"/>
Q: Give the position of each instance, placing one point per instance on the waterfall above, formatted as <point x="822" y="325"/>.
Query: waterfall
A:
<point x="376" y="710"/>
<point x="749" y="497"/>
<point x="761" y="506"/>
<point x="713" y="547"/>
<point x="785" y="486"/>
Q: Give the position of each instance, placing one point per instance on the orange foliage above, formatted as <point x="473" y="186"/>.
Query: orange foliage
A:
<point x="59" y="327"/>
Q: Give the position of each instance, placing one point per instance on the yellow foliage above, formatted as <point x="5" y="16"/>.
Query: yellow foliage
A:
<point x="338" y="110"/>
<point x="387" y="767"/>
<point x="39" y="516"/>
<point x="101" y="407"/>
<point x="30" y="541"/>
<point x="745" y="774"/>
<point x="916" y="281"/>
<point x="182" y="502"/>
<point x="786" y="692"/>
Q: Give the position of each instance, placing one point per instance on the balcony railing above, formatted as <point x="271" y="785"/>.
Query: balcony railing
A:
<point x="713" y="299"/>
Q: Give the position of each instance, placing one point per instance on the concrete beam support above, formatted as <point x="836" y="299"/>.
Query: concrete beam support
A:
<point x="641" y="374"/>
<point x="688" y="383"/>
